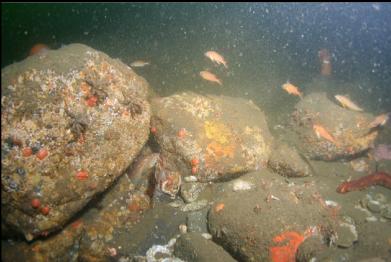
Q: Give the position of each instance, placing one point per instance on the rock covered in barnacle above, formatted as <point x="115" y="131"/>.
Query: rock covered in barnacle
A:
<point x="72" y="121"/>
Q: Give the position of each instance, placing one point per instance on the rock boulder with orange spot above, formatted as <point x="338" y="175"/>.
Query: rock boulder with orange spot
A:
<point x="227" y="135"/>
<point x="44" y="107"/>
<point x="269" y="221"/>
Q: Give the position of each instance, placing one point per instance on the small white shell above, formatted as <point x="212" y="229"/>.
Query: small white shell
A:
<point x="183" y="228"/>
<point x="331" y="203"/>
<point x="190" y="179"/>
<point x="240" y="185"/>
<point x="206" y="236"/>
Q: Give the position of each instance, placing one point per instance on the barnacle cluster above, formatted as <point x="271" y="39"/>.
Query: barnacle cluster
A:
<point x="198" y="106"/>
<point x="78" y="124"/>
<point x="257" y="150"/>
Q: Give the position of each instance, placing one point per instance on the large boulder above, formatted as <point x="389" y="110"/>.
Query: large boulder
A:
<point x="260" y="217"/>
<point x="215" y="138"/>
<point x="72" y="120"/>
<point x="351" y="129"/>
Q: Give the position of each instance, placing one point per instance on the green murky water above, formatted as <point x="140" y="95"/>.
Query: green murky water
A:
<point x="265" y="44"/>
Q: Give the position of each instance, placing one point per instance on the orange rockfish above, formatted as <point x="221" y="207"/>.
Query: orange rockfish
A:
<point x="320" y="131"/>
<point x="291" y="89"/>
<point x="347" y="103"/>
<point x="210" y="77"/>
<point x="380" y="120"/>
<point x="216" y="57"/>
<point x="139" y="63"/>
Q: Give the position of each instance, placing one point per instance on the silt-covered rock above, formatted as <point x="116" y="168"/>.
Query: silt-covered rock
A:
<point x="349" y="132"/>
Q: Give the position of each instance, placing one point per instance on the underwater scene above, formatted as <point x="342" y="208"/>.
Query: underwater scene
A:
<point x="196" y="132"/>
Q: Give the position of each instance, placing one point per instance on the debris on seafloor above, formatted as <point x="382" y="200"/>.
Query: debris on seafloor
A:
<point x="162" y="252"/>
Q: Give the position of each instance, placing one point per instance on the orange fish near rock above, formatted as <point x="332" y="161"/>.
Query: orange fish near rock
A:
<point x="216" y="58"/>
<point x="380" y="120"/>
<point x="38" y="48"/>
<point x="210" y="77"/>
<point x="139" y="63"/>
<point x="347" y="103"/>
<point x="320" y="131"/>
<point x="291" y="89"/>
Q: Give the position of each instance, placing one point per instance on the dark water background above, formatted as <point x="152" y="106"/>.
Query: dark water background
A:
<point x="265" y="44"/>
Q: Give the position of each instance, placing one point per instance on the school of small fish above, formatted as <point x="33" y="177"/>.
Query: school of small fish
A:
<point x="325" y="57"/>
<point x="217" y="59"/>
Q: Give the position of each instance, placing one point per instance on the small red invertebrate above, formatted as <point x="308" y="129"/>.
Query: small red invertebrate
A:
<point x="194" y="170"/>
<point x="27" y="151"/>
<point x="125" y="112"/>
<point x="82" y="175"/>
<point x="42" y="153"/>
<point x="45" y="210"/>
<point x="219" y="207"/>
<point x="91" y="101"/>
<point x="182" y="133"/>
<point x="44" y="233"/>
<point x="195" y="162"/>
<point x="153" y="130"/>
<point x="35" y="203"/>
<point x="77" y="224"/>
<point x="134" y="206"/>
